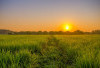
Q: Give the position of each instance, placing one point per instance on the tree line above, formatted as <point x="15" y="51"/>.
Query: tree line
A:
<point x="77" y="32"/>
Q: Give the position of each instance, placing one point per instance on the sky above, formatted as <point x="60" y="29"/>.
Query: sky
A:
<point x="49" y="15"/>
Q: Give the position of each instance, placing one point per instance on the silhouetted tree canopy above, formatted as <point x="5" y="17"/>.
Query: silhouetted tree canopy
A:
<point x="96" y="32"/>
<point x="77" y="32"/>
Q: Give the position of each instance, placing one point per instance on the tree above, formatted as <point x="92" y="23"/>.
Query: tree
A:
<point x="78" y="32"/>
<point x="95" y="32"/>
<point x="45" y="33"/>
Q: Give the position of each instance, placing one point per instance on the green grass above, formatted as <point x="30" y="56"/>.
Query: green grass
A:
<point x="44" y="51"/>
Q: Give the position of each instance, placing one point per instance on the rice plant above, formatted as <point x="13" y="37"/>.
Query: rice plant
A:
<point x="44" y="51"/>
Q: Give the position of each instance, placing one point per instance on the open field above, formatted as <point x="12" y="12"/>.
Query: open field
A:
<point x="44" y="51"/>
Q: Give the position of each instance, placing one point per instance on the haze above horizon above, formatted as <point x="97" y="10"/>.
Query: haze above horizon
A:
<point x="49" y="15"/>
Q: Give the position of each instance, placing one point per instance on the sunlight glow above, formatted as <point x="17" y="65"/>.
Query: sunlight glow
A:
<point x="67" y="27"/>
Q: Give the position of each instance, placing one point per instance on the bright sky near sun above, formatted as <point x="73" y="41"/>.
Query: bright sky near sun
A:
<point x="49" y="15"/>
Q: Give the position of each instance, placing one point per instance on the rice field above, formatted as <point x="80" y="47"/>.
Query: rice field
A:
<point x="44" y="51"/>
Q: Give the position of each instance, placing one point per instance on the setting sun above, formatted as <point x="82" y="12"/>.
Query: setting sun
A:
<point x="67" y="27"/>
<point x="50" y="33"/>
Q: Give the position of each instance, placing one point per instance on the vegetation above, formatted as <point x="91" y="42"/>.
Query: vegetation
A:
<point x="77" y="32"/>
<point x="44" y="51"/>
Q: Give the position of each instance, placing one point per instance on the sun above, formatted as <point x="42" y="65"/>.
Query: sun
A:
<point x="67" y="27"/>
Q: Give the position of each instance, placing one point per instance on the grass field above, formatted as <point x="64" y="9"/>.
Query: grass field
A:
<point x="44" y="51"/>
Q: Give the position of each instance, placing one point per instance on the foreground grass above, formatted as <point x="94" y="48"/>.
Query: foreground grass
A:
<point x="43" y="51"/>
